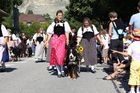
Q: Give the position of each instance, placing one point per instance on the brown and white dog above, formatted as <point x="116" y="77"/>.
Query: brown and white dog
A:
<point x="15" y="53"/>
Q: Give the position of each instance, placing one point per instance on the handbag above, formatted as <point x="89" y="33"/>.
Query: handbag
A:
<point x="121" y="36"/>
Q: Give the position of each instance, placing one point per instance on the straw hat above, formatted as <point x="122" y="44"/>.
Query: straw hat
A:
<point x="136" y="34"/>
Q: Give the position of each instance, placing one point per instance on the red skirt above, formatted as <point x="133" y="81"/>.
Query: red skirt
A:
<point x="58" y="50"/>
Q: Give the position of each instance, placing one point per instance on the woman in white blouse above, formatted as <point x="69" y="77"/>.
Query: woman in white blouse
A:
<point x="59" y="31"/>
<point x="86" y="35"/>
<point x="39" y="39"/>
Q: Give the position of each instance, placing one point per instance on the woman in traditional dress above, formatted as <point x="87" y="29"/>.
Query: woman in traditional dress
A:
<point x="86" y="35"/>
<point x="39" y="39"/>
<point x="12" y="39"/>
<point x="23" y="39"/>
<point x="3" y="46"/>
<point x="60" y="30"/>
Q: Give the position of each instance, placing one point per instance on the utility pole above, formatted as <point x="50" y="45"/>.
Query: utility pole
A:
<point x="16" y="19"/>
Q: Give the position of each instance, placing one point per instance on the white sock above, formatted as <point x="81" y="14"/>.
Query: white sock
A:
<point x="50" y="67"/>
<point x="54" y="67"/>
<point x="138" y="90"/>
<point x="132" y="90"/>
<point x="58" y="69"/>
<point x="62" y="69"/>
<point x="92" y="67"/>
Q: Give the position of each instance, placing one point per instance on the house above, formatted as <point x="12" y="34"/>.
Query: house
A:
<point x="3" y="14"/>
<point x="29" y="18"/>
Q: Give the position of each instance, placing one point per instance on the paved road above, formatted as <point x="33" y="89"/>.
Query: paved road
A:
<point x="26" y="76"/>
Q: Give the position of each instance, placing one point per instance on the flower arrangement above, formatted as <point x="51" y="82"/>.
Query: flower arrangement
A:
<point x="58" y="24"/>
<point x="80" y="49"/>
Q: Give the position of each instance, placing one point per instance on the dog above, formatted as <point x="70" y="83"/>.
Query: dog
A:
<point x="15" y="53"/>
<point x="72" y="61"/>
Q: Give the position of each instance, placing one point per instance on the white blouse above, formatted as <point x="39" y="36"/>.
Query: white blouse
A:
<point x="13" y="36"/>
<point x="86" y="29"/>
<point x="4" y="32"/>
<point x="38" y="35"/>
<point x="50" y="29"/>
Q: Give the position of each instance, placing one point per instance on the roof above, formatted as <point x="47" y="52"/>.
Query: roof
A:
<point x="31" y="18"/>
<point x="3" y="13"/>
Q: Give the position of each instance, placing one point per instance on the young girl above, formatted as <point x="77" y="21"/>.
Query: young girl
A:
<point x="60" y="30"/>
<point x="105" y="39"/>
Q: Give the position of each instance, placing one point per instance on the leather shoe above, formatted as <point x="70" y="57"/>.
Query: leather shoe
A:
<point x="93" y="71"/>
<point x="63" y="74"/>
<point x="59" y="76"/>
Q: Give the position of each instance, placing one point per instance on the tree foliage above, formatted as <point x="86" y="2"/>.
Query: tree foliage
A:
<point x="7" y="5"/>
<point x="33" y="28"/>
<point x="30" y="12"/>
<point x="98" y="10"/>
<point x="47" y="17"/>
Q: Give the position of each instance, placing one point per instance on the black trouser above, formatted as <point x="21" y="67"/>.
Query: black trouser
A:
<point x="117" y="45"/>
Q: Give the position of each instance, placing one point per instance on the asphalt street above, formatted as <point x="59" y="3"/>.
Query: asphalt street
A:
<point x="26" y="76"/>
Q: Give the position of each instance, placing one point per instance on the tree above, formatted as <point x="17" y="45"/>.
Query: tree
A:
<point x="47" y="17"/>
<point x="30" y="12"/>
<point x="33" y="28"/>
<point x="78" y="9"/>
<point x="7" y="5"/>
<point x="98" y="10"/>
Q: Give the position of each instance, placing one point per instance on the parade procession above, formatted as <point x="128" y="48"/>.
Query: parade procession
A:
<point x="65" y="46"/>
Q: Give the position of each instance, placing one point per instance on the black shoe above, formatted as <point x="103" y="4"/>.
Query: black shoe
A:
<point x="49" y="69"/>
<point x="59" y="76"/>
<point x="93" y="71"/>
<point x="55" y="69"/>
<point x="87" y="70"/>
<point x="63" y="74"/>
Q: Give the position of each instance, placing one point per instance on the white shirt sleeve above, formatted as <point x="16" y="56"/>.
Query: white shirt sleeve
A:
<point x="4" y="31"/>
<point x="131" y="22"/>
<point x="44" y="36"/>
<point x="14" y="37"/>
<point x="95" y="30"/>
<point x="34" y="37"/>
<point x="50" y="29"/>
<point x="67" y="28"/>
<point x="28" y="41"/>
<point x="129" y="51"/>
<point x="18" y="40"/>
<point x="79" y="33"/>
